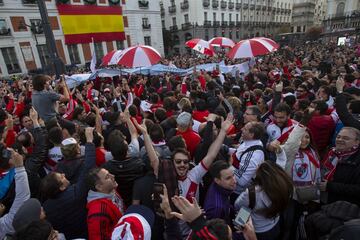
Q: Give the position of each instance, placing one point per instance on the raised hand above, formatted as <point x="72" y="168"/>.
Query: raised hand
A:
<point x="189" y="211"/>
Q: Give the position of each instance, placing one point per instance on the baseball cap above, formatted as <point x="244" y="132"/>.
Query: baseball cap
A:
<point x="183" y="119"/>
<point x="68" y="141"/>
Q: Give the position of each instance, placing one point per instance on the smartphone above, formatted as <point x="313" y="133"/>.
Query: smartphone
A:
<point x="243" y="216"/>
<point x="158" y="189"/>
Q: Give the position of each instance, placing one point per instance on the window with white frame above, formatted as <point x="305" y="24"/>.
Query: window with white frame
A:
<point x="74" y="53"/>
<point x="11" y="61"/>
<point x="99" y="50"/>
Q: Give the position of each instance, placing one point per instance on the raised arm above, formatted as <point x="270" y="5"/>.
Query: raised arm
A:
<point x="216" y="145"/>
<point x="345" y="116"/>
<point x="22" y="193"/>
<point x="154" y="160"/>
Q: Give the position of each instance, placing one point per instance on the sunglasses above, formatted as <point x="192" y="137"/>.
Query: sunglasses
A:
<point x="185" y="161"/>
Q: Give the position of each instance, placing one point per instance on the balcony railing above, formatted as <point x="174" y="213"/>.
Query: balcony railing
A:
<point x="186" y="26"/>
<point x="245" y="6"/>
<point x="207" y="23"/>
<point x="146" y="26"/>
<point x="231" y="23"/>
<point x="238" y="6"/>
<point x="29" y="1"/>
<point x="216" y="23"/>
<point x="184" y="5"/>
<point x="173" y="28"/>
<point x="206" y="3"/>
<point x="263" y="7"/>
<point x="238" y="24"/>
<point x="143" y="4"/>
<point x="231" y="5"/>
<point x="252" y="6"/>
<point x="5" y="32"/>
<point x="245" y="23"/>
<point x="223" y="4"/>
<point x="258" y="7"/>
<point x="215" y="4"/>
<point x="224" y="23"/>
<point x="172" y="9"/>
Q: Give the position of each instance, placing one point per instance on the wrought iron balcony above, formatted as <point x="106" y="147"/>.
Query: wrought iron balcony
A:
<point x="231" y="5"/>
<point x="224" y="23"/>
<point x="231" y="23"/>
<point x="5" y="31"/>
<point x="184" y="5"/>
<point x="215" y="4"/>
<point x="263" y="7"/>
<point x="245" y="6"/>
<point x="143" y="4"/>
<point x="258" y="7"/>
<point x="252" y="6"/>
<point x="173" y="28"/>
<point x="29" y="1"/>
<point x="186" y="26"/>
<point x="238" y="24"/>
<point x="172" y="9"/>
<point x="207" y="23"/>
<point x="216" y="23"/>
<point x="238" y="6"/>
<point x="223" y="4"/>
<point x="206" y="3"/>
<point x="146" y="26"/>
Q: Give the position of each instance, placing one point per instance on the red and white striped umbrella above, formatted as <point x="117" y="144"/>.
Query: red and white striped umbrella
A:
<point x="222" y="42"/>
<point x="139" y="56"/>
<point x="201" y="46"/>
<point x="269" y="40"/>
<point x="252" y="47"/>
<point x="111" y="58"/>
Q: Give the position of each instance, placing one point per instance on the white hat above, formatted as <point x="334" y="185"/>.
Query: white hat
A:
<point x="68" y="141"/>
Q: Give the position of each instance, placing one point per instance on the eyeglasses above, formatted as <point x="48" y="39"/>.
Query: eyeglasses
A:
<point x="185" y="161"/>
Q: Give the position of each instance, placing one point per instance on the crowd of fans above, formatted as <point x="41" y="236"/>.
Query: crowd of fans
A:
<point x="176" y="157"/>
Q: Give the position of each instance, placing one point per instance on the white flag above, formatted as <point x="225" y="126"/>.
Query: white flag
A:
<point x="93" y="63"/>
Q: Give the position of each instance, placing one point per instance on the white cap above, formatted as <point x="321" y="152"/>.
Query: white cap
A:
<point x="68" y="141"/>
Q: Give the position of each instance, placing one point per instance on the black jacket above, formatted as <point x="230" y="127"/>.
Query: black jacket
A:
<point x="67" y="212"/>
<point x="345" y="116"/>
<point x="71" y="168"/>
<point x="345" y="185"/>
<point x="126" y="172"/>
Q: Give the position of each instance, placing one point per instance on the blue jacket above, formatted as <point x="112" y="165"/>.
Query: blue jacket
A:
<point x="67" y="212"/>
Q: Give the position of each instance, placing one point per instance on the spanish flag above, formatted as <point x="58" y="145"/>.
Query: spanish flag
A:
<point x="82" y="23"/>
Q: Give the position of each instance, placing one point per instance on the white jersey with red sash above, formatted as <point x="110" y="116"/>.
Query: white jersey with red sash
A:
<point x="306" y="168"/>
<point x="276" y="133"/>
<point x="189" y="185"/>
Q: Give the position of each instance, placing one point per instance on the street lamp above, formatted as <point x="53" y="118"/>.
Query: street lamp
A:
<point x="56" y="62"/>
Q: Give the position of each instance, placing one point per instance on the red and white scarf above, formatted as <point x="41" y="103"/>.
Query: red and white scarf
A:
<point x="333" y="158"/>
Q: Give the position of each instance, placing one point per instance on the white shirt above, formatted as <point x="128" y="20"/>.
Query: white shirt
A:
<point x="247" y="165"/>
<point x="189" y="187"/>
<point x="260" y="222"/>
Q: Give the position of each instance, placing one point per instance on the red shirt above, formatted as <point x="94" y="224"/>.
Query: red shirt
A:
<point x="200" y="115"/>
<point x="192" y="139"/>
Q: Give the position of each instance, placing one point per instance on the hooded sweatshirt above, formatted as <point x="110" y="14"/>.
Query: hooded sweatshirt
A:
<point x="104" y="211"/>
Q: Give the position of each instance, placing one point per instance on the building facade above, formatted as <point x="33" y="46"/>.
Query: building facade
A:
<point x="307" y="14"/>
<point x="183" y="20"/>
<point x="23" y="44"/>
<point x="342" y="18"/>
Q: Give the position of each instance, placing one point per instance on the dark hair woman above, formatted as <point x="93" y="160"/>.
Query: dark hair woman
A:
<point x="268" y="197"/>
